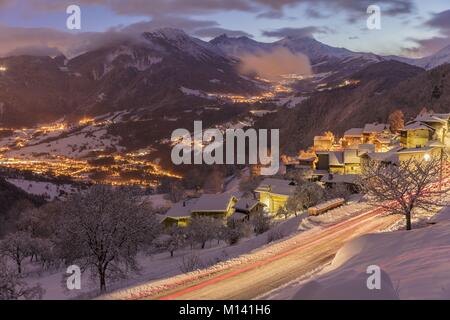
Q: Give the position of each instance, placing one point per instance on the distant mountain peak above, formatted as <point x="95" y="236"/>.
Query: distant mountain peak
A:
<point x="169" y="33"/>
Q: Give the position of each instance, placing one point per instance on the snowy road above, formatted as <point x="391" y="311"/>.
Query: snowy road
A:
<point x="302" y="254"/>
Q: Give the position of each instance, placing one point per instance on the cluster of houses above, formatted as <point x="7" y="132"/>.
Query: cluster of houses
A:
<point x="330" y="162"/>
<point x="271" y="195"/>
<point x="340" y="162"/>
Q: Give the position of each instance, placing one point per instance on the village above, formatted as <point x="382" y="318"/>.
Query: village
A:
<point x="328" y="162"/>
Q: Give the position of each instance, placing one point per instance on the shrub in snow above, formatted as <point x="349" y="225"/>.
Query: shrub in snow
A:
<point x="13" y="288"/>
<point x="203" y="229"/>
<point x="261" y="222"/>
<point x="306" y="195"/>
<point x="283" y="212"/>
<point x="174" y="239"/>
<point x="274" y="235"/>
<point x="338" y="190"/>
<point x="190" y="262"/>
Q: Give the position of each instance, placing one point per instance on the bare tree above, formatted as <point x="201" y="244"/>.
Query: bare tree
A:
<point x="235" y="230"/>
<point x="173" y="240"/>
<point x="203" y="229"/>
<point x="400" y="188"/>
<point x="176" y="192"/>
<point x="283" y="212"/>
<point x="13" y="288"/>
<point x="17" y="247"/>
<point x="103" y="230"/>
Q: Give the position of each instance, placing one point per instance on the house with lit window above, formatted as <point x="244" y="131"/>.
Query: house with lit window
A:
<point x="423" y="153"/>
<point x="323" y="143"/>
<point x="219" y="206"/>
<point x="274" y="193"/>
<point x="353" y="137"/>
<point x="416" y="135"/>
<point x="440" y="122"/>
<point x="373" y="130"/>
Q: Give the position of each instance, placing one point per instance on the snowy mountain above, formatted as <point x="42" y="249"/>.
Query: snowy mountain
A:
<point x="435" y="60"/>
<point x="139" y="73"/>
<point x="338" y="63"/>
<point x="236" y="47"/>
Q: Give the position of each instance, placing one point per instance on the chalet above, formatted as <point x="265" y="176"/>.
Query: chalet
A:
<point x="372" y="130"/>
<point x="366" y="148"/>
<point x="211" y="205"/>
<point x="382" y="143"/>
<point x="244" y="208"/>
<point x="416" y="135"/>
<point x="422" y="153"/>
<point x="330" y="161"/>
<point x="274" y="193"/>
<point x="388" y="157"/>
<point x="440" y="122"/>
<point x="353" y="137"/>
<point x="323" y="143"/>
<point x="214" y="205"/>
<point x="352" y="161"/>
<point x="179" y="214"/>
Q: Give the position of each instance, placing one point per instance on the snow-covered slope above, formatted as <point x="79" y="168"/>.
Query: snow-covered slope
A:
<point x="435" y="60"/>
<point x="416" y="265"/>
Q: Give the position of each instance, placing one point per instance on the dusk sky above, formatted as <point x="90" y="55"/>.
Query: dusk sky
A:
<point x="408" y="27"/>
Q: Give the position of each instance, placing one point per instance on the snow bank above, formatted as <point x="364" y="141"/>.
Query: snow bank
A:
<point x="417" y="265"/>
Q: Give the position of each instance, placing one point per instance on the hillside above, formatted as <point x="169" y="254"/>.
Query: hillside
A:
<point x="10" y="195"/>
<point x="383" y="88"/>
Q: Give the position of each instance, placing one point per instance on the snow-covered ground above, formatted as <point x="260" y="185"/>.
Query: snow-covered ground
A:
<point x="60" y="139"/>
<point x="156" y="266"/>
<point x="48" y="190"/>
<point x="414" y="264"/>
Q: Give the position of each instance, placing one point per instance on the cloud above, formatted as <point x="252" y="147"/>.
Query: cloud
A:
<point x="263" y="8"/>
<point x="217" y="31"/>
<point x="186" y="24"/>
<point x="424" y="47"/>
<point x="45" y="41"/>
<point x="294" y="32"/>
<point x="272" y="65"/>
<point x="440" y="21"/>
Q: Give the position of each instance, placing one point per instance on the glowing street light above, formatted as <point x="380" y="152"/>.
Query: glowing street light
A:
<point x="3" y="69"/>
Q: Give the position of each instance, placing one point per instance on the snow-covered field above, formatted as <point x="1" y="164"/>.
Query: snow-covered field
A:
<point x="59" y="139"/>
<point x="48" y="190"/>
